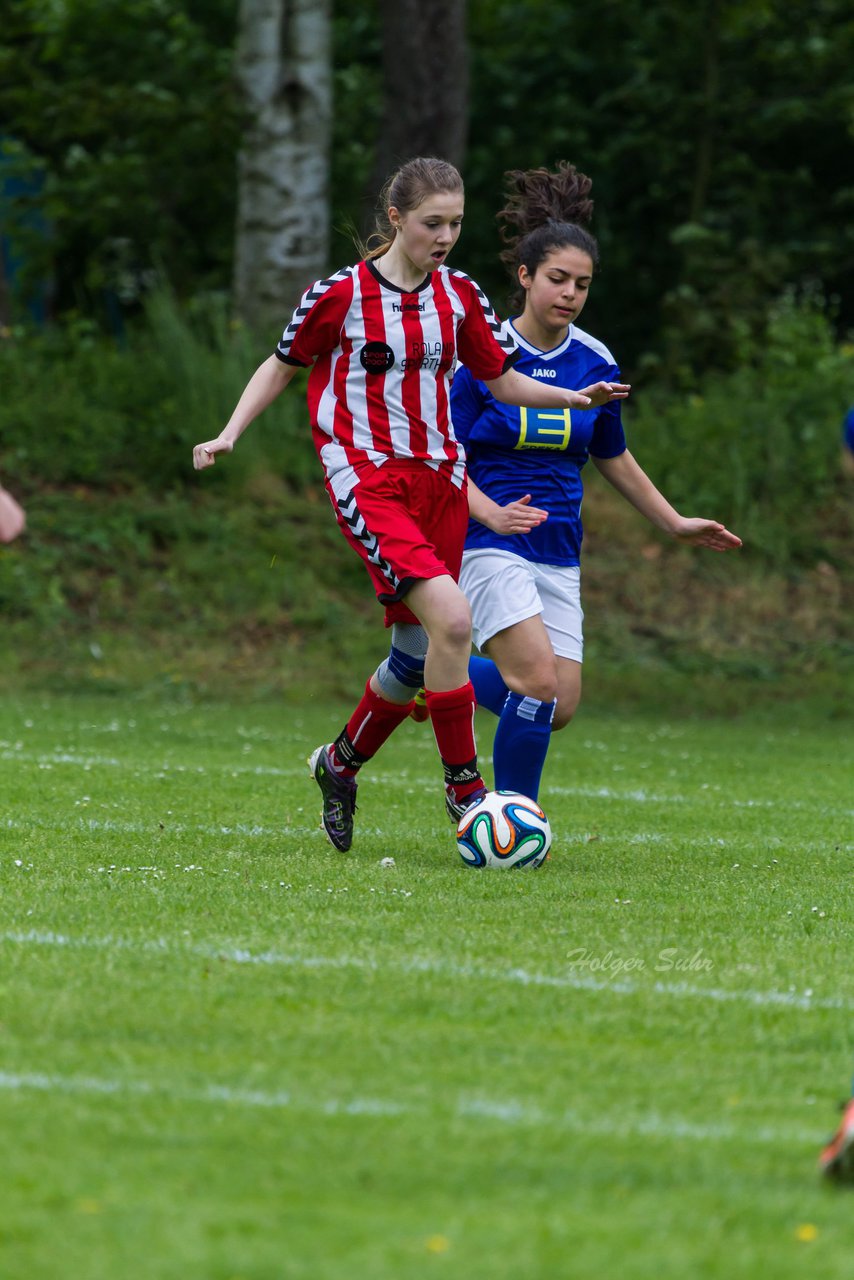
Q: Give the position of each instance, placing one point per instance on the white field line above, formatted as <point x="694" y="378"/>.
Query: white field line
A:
<point x="47" y="760"/>
<point x="157" y="826"/>
<point x="168" y="768"/>
<point x="569" y="840"/>
<point x="506" y="1111"/>
<point x="804" y="1001"/>
<point x="634" y="795"/>
<point x="638" y="795"/>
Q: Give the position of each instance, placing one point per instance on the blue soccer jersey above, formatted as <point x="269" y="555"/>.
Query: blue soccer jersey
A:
<point x="512" y="451"/>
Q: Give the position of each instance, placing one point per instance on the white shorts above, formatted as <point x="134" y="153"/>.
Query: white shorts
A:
<point x="503" y="588"/>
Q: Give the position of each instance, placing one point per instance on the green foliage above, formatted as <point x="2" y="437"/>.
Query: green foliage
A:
<point x="130" y="550"/>
<point x="717" y="314"/>
<point x="127" y="110"/>
<point x="357" y="54"/>
<point x="203" y="360"/>
<point x="80" y="409"/>
<point x="758" y="447"/>
<point x="715" y="135"/>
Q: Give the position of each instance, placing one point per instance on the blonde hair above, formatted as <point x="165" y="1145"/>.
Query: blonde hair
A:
<point x="412" y="183"/>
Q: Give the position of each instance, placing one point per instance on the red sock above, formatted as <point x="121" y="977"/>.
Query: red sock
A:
<point x="374" y="720"/>
<point x="452" y="714"/>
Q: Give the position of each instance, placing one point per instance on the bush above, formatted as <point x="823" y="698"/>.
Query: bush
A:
<point x="79" y="408"/>
<point x="758" y="448"/>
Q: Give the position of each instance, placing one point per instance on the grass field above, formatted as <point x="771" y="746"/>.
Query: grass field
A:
<point x="228" y="1052"/>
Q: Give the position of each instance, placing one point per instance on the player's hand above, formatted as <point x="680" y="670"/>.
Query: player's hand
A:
<point x="603" y="393"/>
<point x="204" y="455"/>
<point x="12" y="518"/>
<point x="706" y="533"/>
<point x="517" y="517"/>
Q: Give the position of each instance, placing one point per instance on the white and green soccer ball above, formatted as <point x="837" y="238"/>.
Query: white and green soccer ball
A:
<point x="504" y="829"/>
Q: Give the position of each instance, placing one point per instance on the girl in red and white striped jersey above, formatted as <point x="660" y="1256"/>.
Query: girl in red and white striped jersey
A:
<point x="382" y="339"/>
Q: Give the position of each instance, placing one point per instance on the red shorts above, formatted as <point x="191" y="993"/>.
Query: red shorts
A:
<point x="407" y="522"/>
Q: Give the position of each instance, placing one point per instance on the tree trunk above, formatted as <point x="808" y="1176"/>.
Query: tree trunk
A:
<point x="704" y="155"/>
<point x="284" y="69"/>
<point x="425" y="86"/>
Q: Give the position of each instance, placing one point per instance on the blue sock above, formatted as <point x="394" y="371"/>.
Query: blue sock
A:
<point x="490" y="691"/>
<point x="521" y="744"/>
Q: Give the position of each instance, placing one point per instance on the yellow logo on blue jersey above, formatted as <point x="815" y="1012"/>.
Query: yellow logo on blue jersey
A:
<point x="544" y="429"/>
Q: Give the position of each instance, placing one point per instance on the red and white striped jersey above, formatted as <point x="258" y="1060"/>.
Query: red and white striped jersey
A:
<point x="383" y="361"/>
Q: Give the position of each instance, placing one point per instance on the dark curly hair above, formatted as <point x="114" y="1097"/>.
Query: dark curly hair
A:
<point x="545" y="210"/>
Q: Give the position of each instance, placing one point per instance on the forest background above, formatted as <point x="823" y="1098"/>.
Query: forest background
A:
<point x="172" y="174"/>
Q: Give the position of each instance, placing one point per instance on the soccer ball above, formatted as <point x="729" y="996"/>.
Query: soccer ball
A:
<point x="504" y="829"/>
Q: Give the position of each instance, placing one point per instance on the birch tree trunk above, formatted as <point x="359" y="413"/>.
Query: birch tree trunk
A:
<point x="284" y="68"/>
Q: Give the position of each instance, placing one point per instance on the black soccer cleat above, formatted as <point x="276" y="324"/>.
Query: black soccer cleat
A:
<point x="456" y="808"/>
<point x="339" y="799"/>
<point x="837" y="1159"/>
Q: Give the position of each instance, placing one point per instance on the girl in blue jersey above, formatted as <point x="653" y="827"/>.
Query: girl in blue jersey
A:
<point x="848" y="443"/>
<point x="524" y="586"/>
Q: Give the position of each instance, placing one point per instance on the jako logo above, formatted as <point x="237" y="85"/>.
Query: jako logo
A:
<point x="543" y="373"/>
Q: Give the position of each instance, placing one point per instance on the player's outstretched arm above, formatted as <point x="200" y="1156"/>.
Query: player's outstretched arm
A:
<point x="515" y="517"/>
<point x="267" y="382"/>
<point x="630" y="479"/>
<point x="12" y="518"/>
<point x="517" y="388"/>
